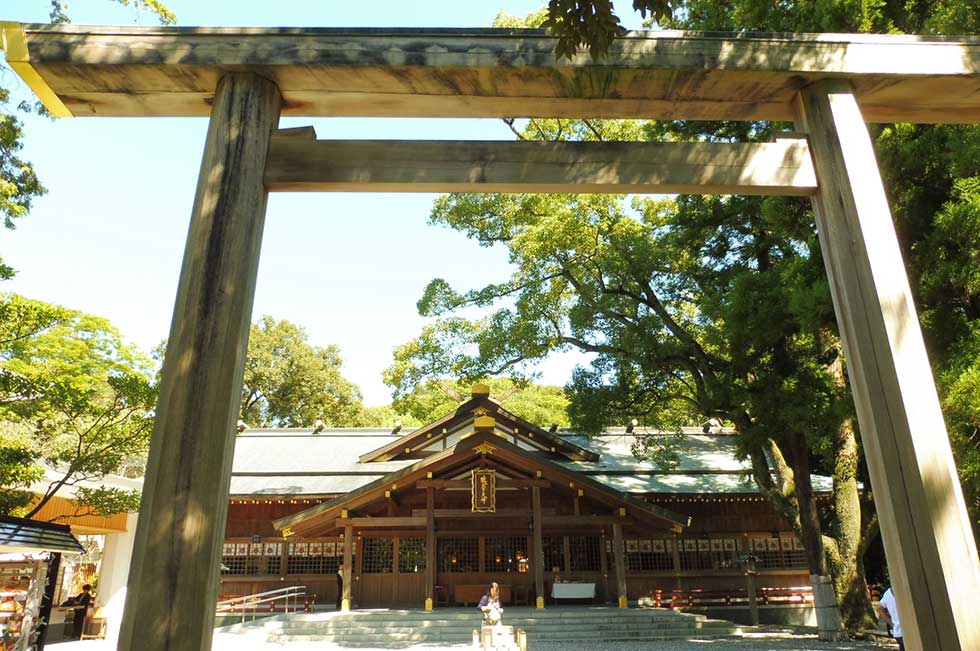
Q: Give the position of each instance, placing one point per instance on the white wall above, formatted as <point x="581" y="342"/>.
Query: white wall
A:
<point x="114" y="574"/>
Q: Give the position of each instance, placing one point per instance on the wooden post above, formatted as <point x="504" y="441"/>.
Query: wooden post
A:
<point x="430" y="547"/>
<point x="482" y="553"/>
<point x="284" y="559"/>
<point x="537" y="547"/>
<point x="932" y="556"/>
<point x="620" y="561"/>
<point x="566" y="558"/>
<point x="358" y="568"/>
<point x="345" y="600"/>
<point x="604" y="567"/>
<point x="675" y="553"/>
<point x="173" y="579"/>
<point x="395" y="551"/>
<point x="750" y="572"/>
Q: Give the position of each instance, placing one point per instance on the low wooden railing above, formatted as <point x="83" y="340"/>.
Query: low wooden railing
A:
<point x="796" y="595"/>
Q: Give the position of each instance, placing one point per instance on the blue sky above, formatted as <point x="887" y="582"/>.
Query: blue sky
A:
<point x="108" y="237"/>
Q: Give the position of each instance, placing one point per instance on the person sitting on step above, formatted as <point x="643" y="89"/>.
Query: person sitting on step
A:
<point x="490" y="605"/>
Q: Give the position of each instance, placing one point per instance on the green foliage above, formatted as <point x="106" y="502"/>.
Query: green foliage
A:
<point x="289" y="383"/>
<point x="664" y="293"/>
<point x="385" y="416"/>
<point x="933" y="177"/>
<point x="17" y="473"/>
<point x="593" y="23"/>
<point x="59" y="10"/>
<point x="106" y="501"/>
<point x="73" y="397"/>
<point x="434" y="398"/>
<point x="19" y="184"/>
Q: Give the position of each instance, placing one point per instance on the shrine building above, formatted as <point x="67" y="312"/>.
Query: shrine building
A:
<point x="429" y="517"/>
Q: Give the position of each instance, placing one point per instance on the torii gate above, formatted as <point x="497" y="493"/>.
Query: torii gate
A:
<point x="245" y="78"/>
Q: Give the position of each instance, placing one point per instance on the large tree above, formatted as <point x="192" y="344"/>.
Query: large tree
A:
<point x="74" y="398"/>
<point x="433" y="398"/>
<point x="291" y="383"/>
<point x="696" y="306"/>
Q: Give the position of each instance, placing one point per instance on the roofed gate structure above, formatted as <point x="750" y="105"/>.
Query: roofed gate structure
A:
<point x="246" y="78"/>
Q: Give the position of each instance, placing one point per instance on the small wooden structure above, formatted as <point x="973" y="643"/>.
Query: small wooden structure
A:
<point x="246" y="78"/>
<point x="499" y="637"/>
<point x="29" y="537"/>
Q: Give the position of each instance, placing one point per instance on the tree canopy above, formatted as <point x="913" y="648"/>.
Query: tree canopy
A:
<point x="290" y="383"/>
<point x="433" y="399"/>
<point x="75" y="398"/>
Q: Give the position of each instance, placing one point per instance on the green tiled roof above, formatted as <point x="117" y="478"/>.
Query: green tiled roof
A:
<point x="297" y="462"/>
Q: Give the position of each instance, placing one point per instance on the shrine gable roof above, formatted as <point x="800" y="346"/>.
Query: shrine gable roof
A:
<point x="495" y="450"/>
<point x="461" y="421"/>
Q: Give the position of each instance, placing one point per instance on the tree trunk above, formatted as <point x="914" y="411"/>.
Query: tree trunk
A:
<point x="845" y="555"/>
<point x="829" y="624"/>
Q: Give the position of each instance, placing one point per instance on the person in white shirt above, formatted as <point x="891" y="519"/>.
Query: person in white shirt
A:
<point x="888" y="611"/>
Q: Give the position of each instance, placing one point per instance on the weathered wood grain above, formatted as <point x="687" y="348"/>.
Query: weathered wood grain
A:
<point x="503" y="73"/>
<point x="430" y="548"/>
<point x="173" y="580"/>
<point x="932" y="557"/>
<point x="778" y="168"/>
<point x="347" y="571"/>
<point x="619" y="558"/>
<point x="383" y="522"/>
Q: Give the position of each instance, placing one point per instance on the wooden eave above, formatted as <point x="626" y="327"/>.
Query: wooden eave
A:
<point x="173" y="71"/>
<point x="509" y="423"/>
<point x="503" y="451"/>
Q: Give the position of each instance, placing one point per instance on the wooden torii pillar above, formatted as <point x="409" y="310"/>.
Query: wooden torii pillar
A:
<point x="173" y="579"/>
<point x="932" y="556"/>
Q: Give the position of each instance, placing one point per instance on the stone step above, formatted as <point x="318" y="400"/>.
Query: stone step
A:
<point x="387" y="628"/>
<point x="444" y="626"/>
<point x="538" y="616"/>
<point x="388" y="641"/>
<point x="474" y="622"/>
<point x="538" y="633"/>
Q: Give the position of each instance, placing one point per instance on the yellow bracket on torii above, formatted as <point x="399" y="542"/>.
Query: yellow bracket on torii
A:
<point x="13" y="41"/>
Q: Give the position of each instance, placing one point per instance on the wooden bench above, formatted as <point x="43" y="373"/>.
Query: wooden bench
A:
<point x="467" y="594"/>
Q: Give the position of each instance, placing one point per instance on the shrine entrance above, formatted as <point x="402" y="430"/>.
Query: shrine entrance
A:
<point x="482" y="504"/>
<point x="829" y="85"/>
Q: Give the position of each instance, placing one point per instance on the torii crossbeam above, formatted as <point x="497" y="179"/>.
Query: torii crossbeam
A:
<point x="829" y="84"/>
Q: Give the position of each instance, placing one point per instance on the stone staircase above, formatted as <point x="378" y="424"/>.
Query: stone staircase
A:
<point x="454" y="626"/>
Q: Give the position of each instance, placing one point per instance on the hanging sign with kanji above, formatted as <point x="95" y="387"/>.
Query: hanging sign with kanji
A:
<point x="484" y="490"/>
